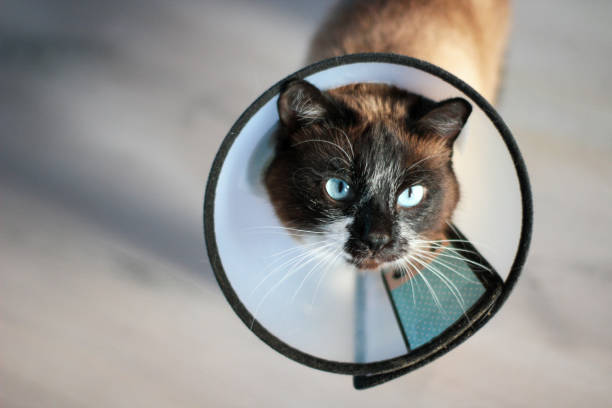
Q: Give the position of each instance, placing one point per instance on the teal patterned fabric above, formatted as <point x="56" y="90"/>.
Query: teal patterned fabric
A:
<point x="422" y="317"/>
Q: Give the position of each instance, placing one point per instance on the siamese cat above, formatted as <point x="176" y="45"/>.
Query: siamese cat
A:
<point x="366" y="170"/>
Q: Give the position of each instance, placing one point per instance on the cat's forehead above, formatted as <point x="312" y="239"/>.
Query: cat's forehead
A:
<point x="381" y="124"/>
<point x="371" y="148"/>
<point x="391" y="142"/>
<point x="375" y="102"/>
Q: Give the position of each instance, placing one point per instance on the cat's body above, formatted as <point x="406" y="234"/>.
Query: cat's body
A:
<point x="465" y="37"/>
<point x="365" y="171"/>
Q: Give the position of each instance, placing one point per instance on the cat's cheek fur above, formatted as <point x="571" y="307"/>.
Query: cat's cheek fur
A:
<point x="332" y="240"/>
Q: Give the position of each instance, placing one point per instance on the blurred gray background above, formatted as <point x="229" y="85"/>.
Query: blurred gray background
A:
<point x="110" y="114"/>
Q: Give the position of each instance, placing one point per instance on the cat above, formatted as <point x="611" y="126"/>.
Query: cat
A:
<point x="365" y="170"/>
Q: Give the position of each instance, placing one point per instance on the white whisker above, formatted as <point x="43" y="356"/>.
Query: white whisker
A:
<point x="431" y="290"/>
<point x="329" y="267"/>
<point x="284" y="229"/>
<point x="434" y="259"/>
<point x="422" y="160"/>
<point x="327" y="253"/>
<point x="290" y="262"/>
<point x="408" y="275"/>
<point x="347" y="138"/>
<point x="447" y="282"/>
<point x="298" y="248"/>
<point x="291" y="272"/>
<point x="325" y="141"/>
<point x="462" y="258"/>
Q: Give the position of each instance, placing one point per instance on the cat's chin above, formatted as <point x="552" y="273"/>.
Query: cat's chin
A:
<point x="372" y="264"/>
<point x="369" y="265"/>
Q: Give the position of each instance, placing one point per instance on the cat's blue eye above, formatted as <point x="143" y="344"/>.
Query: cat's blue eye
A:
<point x="337" y="189"/>
<point x="411" y="196"/>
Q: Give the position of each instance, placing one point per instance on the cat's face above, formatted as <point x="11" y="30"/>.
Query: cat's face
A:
<point x="365" y="170"/>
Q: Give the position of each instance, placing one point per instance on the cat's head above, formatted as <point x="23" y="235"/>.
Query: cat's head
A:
<point x="365" y="169"/>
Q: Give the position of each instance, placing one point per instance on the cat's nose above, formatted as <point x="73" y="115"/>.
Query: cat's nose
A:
<point x="377" y="240"/>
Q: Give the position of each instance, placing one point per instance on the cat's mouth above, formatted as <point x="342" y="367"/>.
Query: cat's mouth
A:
<point x="372" y="262"/>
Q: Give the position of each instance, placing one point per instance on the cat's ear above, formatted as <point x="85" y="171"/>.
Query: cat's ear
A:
<point x="300" y="103"/>
<point x="445" y="119"/>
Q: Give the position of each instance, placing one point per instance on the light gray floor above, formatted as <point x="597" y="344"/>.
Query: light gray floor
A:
<point x="110" y="114"/>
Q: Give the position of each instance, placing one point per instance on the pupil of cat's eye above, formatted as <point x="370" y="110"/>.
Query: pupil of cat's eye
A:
<point x="337" y="189"/>
<point x="411" y="196"/>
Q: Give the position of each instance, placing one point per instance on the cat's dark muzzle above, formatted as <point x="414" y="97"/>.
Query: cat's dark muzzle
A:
<point x="365" y="255"/>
